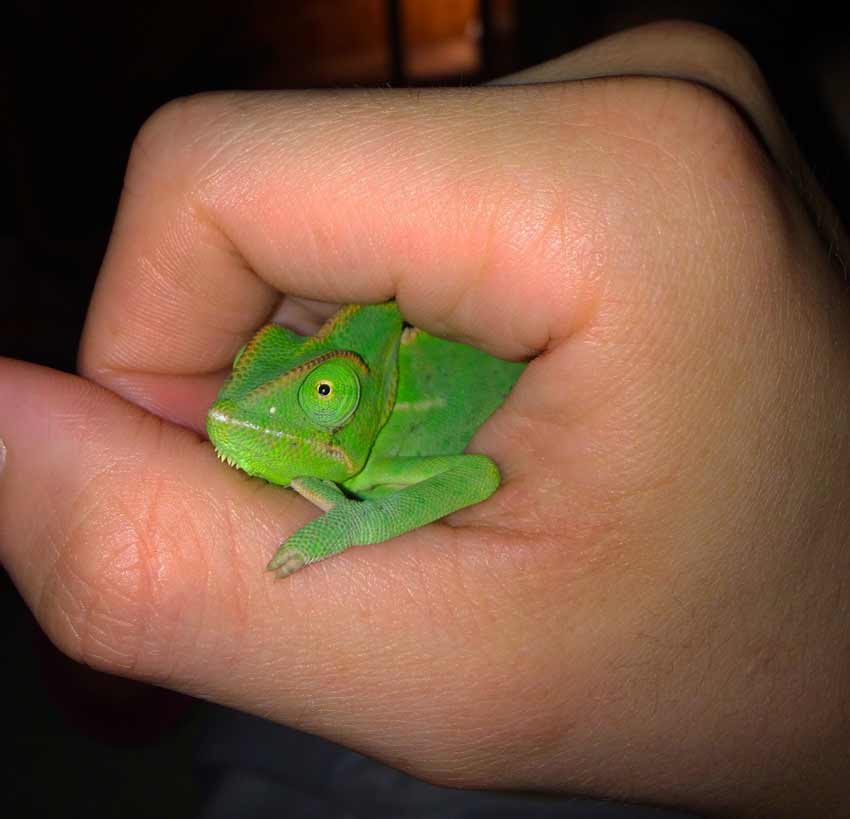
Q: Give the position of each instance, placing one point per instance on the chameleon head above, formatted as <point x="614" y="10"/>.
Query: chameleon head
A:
<point x="290" y="410"/>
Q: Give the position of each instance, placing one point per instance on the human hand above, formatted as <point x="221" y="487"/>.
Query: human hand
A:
<point x="654" y="604"/>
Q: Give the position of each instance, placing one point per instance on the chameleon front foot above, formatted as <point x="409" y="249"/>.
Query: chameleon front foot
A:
<point x="286" y="561"/>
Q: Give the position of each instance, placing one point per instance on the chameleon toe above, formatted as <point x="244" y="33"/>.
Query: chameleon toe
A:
<point x="286" y="561"/>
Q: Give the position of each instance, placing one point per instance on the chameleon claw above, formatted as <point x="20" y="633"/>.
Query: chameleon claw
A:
<point x="286" y="562"/>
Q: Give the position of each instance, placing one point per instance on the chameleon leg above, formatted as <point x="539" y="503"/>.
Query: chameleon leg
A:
<point x="324" y="494"/>
<point x="430" y="488"/>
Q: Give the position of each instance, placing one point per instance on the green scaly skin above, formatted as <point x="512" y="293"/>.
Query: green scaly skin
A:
<point x="368" y="406"/>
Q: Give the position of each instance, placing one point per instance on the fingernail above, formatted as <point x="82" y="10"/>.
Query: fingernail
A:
<point x="2" y="454"/>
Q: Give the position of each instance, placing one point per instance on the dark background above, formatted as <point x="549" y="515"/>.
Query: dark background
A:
<point x="81" y="79"/>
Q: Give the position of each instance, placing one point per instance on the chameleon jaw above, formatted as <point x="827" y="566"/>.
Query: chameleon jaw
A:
<point x="219" y="421"/>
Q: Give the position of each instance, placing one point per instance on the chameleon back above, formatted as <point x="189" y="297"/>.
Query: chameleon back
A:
<point x="445" y="392"/>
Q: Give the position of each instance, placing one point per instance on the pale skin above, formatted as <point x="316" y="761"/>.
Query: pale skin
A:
<point x="654" y="604"/>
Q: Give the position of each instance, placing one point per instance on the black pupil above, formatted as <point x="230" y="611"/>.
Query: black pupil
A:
<point x="324" y="389"/>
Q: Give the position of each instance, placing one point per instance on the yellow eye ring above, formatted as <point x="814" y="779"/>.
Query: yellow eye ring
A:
<point x="325" y="389"/>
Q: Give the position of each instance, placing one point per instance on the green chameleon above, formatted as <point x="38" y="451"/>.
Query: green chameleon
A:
<point x="367" y="419"/>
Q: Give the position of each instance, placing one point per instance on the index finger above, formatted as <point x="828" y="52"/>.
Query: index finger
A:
<point x="435" y="199"/>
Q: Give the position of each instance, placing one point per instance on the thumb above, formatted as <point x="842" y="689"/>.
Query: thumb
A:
<point x="142" y="556"/>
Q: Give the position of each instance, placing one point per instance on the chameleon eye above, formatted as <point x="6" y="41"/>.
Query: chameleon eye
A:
<point x="330" y="393"/>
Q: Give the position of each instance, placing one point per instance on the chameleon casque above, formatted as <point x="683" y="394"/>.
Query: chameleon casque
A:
<point x="368" y="419"/>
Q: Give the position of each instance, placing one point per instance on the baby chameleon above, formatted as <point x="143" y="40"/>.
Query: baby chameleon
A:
<point x="368" y="419"/>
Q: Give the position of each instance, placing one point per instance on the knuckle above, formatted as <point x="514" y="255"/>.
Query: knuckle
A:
<point x="166" y="148"/>
<point x="687" y="146"/>
<point x="681" y="170"/>
<point x="710" y="131"/>
<point x="717" y="54"/>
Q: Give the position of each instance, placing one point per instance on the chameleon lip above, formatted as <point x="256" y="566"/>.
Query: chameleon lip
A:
<point x="224" y="418"/>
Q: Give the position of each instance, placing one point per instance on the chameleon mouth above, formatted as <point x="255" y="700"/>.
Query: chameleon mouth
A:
<point x="224" y="431"/>
<point x="223" y="418"/>
<point x="221" y="427"/>
<point x="226" y="459"/>
<point x="216" y="417"/>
